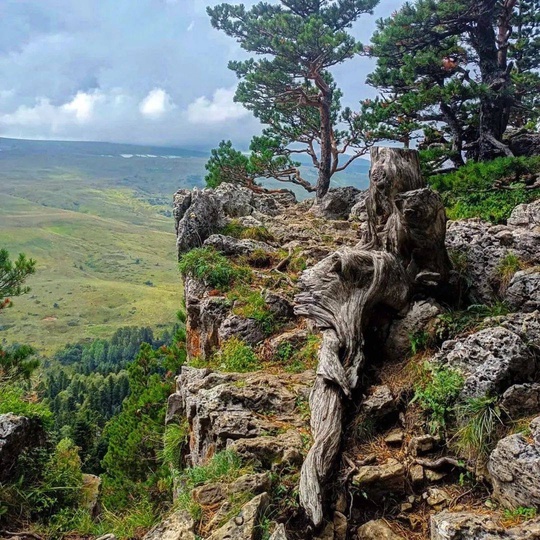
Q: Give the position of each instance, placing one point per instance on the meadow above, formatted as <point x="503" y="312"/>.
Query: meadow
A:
<point x="97" y="218"/>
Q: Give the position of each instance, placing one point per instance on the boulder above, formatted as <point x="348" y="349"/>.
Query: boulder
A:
<point x="245" y="525"/>
<point x="359" y="210"/>
<point x="178" y="526"/>
<point x="485" y="246"/>
<point x="222" y="408"/>
<point x="280" y="306"/>
<point x="521" y="400"/>
<point x="525" y="325"/>
<point x="338" y="202"/>
<point x="216" y="492"/>
<point x="205" y="315"/>
<point x="523" y="292"/>
<point x="200" y="213"/>
<point x="378" y="404"/>
<point x="279" y="533"/>
<point x="417" y="319"/>
<point x="271" y="451"/>
<point x="248" y="330"/>
<point x="17" y="434"/>
<point x="526" y="216"/>
<point x="468" y="526"/>
<point x="235" y="246"/>
<point x="379" y="480"/>
<point x="490" y="361"/>
<point x="514" y="467"/>
<point x="378" y="529"/>
<point x="525" y="144"/>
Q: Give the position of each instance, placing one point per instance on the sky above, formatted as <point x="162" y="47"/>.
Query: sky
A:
<point x="133" y="71"/>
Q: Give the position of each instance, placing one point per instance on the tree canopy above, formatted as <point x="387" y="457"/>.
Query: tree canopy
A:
<point x="289" y="87"/>
<point x="457" y="75"/>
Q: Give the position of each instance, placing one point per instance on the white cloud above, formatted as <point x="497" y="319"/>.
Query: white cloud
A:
<point x="191" y="26"/>
<point x="218" y="109"/>
<point x="156" y="104"/>
<point x="43" y="113"/>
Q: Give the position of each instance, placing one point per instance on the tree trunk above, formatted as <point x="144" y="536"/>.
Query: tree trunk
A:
<point x="325" y="163"/>
<point x="402" y="253"/>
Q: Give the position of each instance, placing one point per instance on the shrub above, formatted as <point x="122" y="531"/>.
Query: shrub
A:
<point x="472" y="190"/>
<point x="214" y="269"/>
<point x="235" y="355"/>
<point x="250" y="304"/>
<point x="235" y="229"/>
<point x="436" y="392"/>
<point x="296" y="361"/>
<point x="506" y="269"/>
<point x="479" y="417"/>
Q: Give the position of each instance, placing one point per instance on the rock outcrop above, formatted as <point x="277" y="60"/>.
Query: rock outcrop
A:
<point x="514" y="466"/>
<point x="17" y="434"/>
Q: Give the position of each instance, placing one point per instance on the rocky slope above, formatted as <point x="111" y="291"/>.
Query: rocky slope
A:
<point x="399" y="475"/>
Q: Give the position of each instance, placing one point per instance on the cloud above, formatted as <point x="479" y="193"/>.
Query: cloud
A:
<point x="156" y="104"/>
<point x="191" y="26"/>
<point x="220" y="108"/>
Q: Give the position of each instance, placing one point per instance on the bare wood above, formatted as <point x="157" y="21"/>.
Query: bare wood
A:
<point x="404" y="250"/>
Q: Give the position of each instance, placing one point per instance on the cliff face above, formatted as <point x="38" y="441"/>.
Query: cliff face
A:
<point x="253" y="362"/>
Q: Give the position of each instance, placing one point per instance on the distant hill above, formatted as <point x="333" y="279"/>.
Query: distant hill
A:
<point x="97" y="218"/>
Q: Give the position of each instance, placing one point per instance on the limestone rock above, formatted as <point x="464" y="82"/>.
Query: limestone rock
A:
<point x="279" y="533"/>
<point x="248" y="330"/>
<point x="523" y="292"/>
<point x="200" y="213"/>
<point x="514" y="467"/>
<point x="381" y="479"/>
<point x="280" y="306"/>
<point x="398" y="343"/>
<point x="379" y="403"/>
<point x="285" y="448"/>
<point x="205" y="314"/>
<point x="468" y="526"/>
<point x="216" y="492"/>
<point x="225" y="407"/>
<point x="338" y="202"/>
<point x="340" y="526"/>
<point x="525" y="325"/>
<point x="526" y="216"/>
<point x="17" y="434"/>
<point x="234" y="246"/>
<point x="378" y="529"/>
<point x="245" y="525"/>
<point x="178" y="526"/>
<point x="521" y="400"/>
<point x="359" y="210"/>
<point x="485" y="246"/>
<point x="490" y="361"/>
<point x="436" y="497"/>
<point x="421" y="444"/>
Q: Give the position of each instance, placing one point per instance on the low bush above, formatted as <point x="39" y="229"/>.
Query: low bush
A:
<point x="235" y="355"/>
<point x="488" y="190"/>
<point x="250" y="304"/>
<point x="213" y="268"/>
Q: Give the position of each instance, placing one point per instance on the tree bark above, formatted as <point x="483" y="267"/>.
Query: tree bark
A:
<point x="403" y="252"/>
<point x="325" y="162"/>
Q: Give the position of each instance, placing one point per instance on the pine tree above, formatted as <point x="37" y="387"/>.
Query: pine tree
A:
<point x="289" y="87"/>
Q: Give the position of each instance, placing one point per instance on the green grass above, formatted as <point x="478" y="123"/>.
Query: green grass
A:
<point x="472" y="190"/>
<point x="250" y="304"/>
<point x="236" y="356"/>
<point x="95" y="249"/>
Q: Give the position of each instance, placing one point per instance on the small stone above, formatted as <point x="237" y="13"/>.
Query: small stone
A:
<point x="434" y="476"/>
<point x="395" y="437"/>
<point x="416" y="474"/>
<point x="436" y="497"/>
<point x="421" y="445"/>
<point x="381" y="479"/>
<point x="379" y="403"/>
<point x="406" y="507"/>
<point x="377" y="530"/>
<point x="340" y="526"/>
<point x="279" y="533"/>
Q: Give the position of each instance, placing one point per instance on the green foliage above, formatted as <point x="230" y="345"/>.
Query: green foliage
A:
<point x="472" y="190"/>
<point x="235" y="229"/>
<point x="436" y="392"/>
<point x="13" y="399"/>
<point x="521" y="513"/>
<point x="454" y="323"/>
<point x="419" y="341"/>
<point x="250" y="304"/>
<point x="208" y="265"/>
<point x="506" y="269"/>
<point x="479" y="417"/>
<point x="427" y="53"/>
<point x="299" y="360"/>
<point x="236" y="356"/>
<point x="287" y="90"/>
<point x="13" y="274"/>
<point x="225" y="466"/>
<point x="175" y="439"/>
<point x="227" y="165"/>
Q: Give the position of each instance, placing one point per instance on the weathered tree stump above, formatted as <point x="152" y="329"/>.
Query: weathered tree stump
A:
<point x="402" y="253"/>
